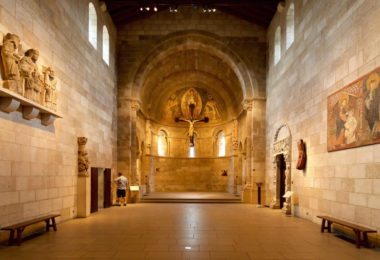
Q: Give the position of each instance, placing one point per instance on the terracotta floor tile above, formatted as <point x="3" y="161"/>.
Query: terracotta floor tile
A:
<point x="162" y="231"/>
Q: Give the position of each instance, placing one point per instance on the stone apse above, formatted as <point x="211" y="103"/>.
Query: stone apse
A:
<point x="167" y="87"/>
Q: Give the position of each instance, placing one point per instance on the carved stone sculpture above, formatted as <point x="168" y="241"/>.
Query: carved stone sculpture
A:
<point x="50" y="87"/>
<point x="83" y="161"/>
<point x="301" y="163"/>
<point x="10" y="60"/>
<point x="32" y="78"/>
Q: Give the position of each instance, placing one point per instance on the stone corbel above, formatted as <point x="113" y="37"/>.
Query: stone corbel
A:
<point x="47" y="119"/>
<point x="8" y="104"/>
<point x="30" y="112"/>
<point x="11" y="101"/>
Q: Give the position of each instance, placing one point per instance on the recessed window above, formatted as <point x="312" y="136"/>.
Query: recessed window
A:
<point x="221" y="144"/>
<point x="277" y="45"/>
<point x="92" y="25"/>
<point x="191" y="151"/>
<point x="106" y="45"/>
<point x="290" y="26"/>
<point x="162" y="143"/>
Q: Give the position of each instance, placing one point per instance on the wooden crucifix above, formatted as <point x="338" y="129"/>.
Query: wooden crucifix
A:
<point x="191" y="122"/>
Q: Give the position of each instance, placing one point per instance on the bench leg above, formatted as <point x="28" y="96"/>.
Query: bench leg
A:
<point x="358" y="238"/>
<point x="19" y="235"/>
<point x="329" y="226"/>
<point x="11" y="237"/>
<point x="53" y="223"/>
<point x="323" y="225"/>
<point x="47" y="224"/>
<point x="365" y="239"/>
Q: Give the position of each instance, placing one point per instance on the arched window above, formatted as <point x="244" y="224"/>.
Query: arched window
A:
<point x="92" y="25"/>
<point x="191" y="151"/>
<point x="290" y="26"/>
<point x="277" y="45"/>
<point x="221" y="144"/>
<point x="106" y="46"/>
<point x="162" y="143"/>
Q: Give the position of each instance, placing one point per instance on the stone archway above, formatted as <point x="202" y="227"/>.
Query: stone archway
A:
<point x="195" y="40"/>
<point x="281" y="146"/>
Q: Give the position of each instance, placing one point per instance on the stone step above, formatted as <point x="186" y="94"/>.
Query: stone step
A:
<point x="190" y="197"/>
<point x="148" y="200"/>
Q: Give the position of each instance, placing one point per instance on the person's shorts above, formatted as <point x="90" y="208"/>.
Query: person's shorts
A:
<point x="120" y="193"/>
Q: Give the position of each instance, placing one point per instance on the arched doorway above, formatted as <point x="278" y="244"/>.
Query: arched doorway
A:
<point x="281" y="183"/>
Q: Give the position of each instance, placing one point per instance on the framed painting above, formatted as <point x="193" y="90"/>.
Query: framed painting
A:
<point x="353" y="117"/>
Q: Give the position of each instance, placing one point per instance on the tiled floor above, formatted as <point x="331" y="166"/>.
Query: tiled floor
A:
<point x="187" y="231"/>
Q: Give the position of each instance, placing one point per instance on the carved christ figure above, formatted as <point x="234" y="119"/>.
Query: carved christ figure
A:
<point x="191" y="127"/>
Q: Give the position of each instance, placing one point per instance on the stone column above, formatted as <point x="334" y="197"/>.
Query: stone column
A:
<point x="124" y="136"/>
<point x="135" y="106"/>
<point x="258" y="146"/>
<point x="247" y="106"/>
<point x="234" y="161"/>
<point x="148" y="137"/>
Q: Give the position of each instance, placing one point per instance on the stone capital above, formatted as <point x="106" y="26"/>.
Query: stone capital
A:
<point x="135" y="105"/>
<point x="247" y="104"/>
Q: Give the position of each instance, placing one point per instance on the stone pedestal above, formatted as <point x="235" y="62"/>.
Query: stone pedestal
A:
<point x="84" y="197"/>
<point x="246" y="195"/>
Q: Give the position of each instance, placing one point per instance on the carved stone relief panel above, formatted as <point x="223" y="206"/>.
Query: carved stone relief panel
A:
<point x="24" y="84"/>
<point x="83" y="161"/>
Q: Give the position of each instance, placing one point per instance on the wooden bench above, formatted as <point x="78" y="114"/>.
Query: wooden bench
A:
<point x="19" y="227"/>
<point x="358" y="230"/>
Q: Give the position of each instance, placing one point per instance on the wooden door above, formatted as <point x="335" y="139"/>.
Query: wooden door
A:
<point x="107" y="188"/>
<point x="94" y="190"/>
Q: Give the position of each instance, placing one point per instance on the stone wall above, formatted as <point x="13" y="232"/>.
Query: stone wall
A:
<point x="38" y="164"/>
<point x="191" y="174"/>
<point x="336" y="42"/>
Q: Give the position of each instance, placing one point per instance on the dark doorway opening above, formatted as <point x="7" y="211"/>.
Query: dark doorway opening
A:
<point x="100" y="188"/>
<point x="281" y="166"/>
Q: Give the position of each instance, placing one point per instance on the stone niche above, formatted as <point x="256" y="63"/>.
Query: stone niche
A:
<point x="24" y="87"/>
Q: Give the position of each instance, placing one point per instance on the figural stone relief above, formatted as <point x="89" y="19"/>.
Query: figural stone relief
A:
<point x="10" y="62"/>
<point x="25" y="86"/>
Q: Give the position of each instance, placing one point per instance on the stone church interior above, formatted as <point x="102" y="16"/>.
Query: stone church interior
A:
<point x="246" y="129"/>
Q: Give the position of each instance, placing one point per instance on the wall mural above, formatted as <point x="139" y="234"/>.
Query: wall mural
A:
<point x="353" y="114"/>
<point x="177" y="106"/>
